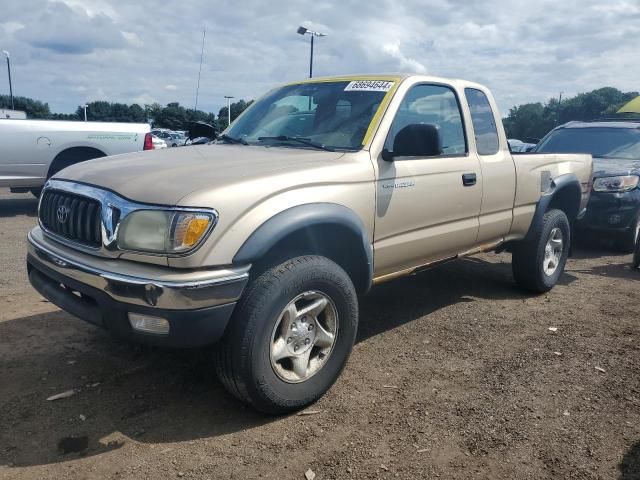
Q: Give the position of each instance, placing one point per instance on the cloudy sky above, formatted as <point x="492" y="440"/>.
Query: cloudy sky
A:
<point x="67" y="52"/>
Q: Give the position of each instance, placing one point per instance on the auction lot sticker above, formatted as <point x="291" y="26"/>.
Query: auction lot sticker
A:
<point x="369" y="86"/>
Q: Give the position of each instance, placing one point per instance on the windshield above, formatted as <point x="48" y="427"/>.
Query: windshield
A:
<point x="330" y="115"/>
<point x="602" y="142"/>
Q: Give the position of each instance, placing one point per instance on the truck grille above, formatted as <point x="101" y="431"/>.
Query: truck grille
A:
<point x="71" y="216"/>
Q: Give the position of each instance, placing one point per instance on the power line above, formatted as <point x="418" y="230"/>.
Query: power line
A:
<point x="204" y="34"/>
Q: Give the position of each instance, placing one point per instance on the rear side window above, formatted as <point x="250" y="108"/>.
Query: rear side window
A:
<point x="484" y="123"/>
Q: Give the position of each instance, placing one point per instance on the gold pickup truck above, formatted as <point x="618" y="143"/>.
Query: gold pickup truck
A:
<point x="261" y="241"/>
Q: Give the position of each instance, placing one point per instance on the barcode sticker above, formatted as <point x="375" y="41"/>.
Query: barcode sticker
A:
<point x="369" y="86"/>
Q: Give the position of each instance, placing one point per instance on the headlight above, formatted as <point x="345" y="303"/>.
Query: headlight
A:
<point x="164" y="231"/>
<point x="616" y="184"/>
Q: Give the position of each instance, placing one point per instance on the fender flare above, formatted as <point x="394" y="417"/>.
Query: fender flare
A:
<point x="558" y="184"/>
<point x="297" y="219"/>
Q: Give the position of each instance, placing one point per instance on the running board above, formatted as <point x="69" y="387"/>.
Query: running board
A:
<point x="488" y="247"/>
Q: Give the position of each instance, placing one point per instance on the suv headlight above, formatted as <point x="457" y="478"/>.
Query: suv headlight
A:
<point x="164" y="231"/>
<point x="616" y="184"/>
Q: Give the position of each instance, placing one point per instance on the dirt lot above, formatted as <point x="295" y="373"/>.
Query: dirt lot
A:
<point x="455" y="375"/>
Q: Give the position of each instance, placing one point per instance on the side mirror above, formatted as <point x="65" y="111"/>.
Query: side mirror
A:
<point x="201" y="129"/>
<point x="415" y="140"/>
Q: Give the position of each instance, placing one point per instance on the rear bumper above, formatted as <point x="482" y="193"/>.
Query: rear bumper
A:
<point x="197" y="311"/>
<point x="614" y="212"/>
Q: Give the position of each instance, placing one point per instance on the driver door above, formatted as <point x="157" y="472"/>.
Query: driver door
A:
<point x="428" y="207"/>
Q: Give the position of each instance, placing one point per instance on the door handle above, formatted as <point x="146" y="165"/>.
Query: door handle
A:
<point x="468" y="179"/>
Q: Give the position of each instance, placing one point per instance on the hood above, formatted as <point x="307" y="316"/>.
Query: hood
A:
<point x="605" y="167"/>
<point x="163" y="177"/>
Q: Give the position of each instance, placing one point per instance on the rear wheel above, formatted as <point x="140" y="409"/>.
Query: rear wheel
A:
<point x="627" y="241"/>
<point x="290" y="336"/>
<point x="539" y="262"/>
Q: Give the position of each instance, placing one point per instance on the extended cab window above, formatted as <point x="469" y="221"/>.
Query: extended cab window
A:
<point x="484" y="123"/>
<point x="433" y="105"/>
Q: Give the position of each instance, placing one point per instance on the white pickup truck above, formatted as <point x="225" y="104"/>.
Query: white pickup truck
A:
<point x="31" y="151"/>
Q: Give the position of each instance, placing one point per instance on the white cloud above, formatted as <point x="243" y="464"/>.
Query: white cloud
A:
<point x="133" y="39"/>
<point x="405" y="63"/>
<point x="170" y="88"/>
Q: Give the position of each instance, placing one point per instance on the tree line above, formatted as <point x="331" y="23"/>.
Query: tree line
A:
<point x="527" y="122"/>
<point x="172" y="116"/>
<point x="532" y="121"/>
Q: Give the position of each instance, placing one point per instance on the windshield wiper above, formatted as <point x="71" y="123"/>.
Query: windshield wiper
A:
<point x="304" y="141"/>
<point x="229" y="139"/>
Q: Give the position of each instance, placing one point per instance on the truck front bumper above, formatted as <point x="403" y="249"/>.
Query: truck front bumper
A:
<point x="176" y="312"/>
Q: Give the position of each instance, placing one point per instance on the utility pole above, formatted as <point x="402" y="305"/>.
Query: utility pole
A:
<point x="204" y="34"/>
<point x="9" y="71"/>
<point x="228" y="97"/>
<point x="85" y="111"/>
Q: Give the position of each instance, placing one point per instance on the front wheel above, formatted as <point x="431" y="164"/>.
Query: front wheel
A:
<point x="290" y="336"/>
<point x="538" y="263"/>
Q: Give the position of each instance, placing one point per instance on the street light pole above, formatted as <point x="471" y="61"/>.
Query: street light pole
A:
<point x="9" y="71"/>
<point x="311" y="58"/>
<point x="228" y="97"/>
<point x="306" y="31"/>
<point x="559" y="107"/>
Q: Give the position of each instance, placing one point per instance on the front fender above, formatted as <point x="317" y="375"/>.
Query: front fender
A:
<point x="327" y="216"/>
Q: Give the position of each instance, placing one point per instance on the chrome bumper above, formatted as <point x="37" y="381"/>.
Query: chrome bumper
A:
<point x="216" y="287"/>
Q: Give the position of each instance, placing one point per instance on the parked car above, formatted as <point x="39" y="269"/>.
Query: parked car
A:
<point x="518" y="146"/>
<point x="200" y="133"/>
<point x="636" y="254"/>
<point x="33" y="150"/>
<point x="172" y="139"/>
<point x="178" y="139"/>
<point x="158" y="143"/>
<point x="262" y="241"/>
<point x="614" y="208"/>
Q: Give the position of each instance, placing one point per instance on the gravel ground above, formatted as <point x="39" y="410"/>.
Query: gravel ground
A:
<point x="455" y="374"/>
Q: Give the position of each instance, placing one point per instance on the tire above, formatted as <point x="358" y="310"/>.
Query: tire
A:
<point x="36" y="192"/>
<point x="255" y="362"/>
<point x="636" y="255"/>
<point x="627" y="241"/>
<point x="531" y="257"/>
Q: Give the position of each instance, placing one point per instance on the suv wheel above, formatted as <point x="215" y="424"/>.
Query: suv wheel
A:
<point x="290" y="336"/>
<point x="636" y="254"/>
<point x="628" y="239"/>
<point x="538" y="263"/>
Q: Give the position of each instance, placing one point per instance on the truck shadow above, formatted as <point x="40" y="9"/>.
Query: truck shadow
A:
<point x="20" y="205"/>
<point x="126" y="393"/>
<point x="630" y="465"/>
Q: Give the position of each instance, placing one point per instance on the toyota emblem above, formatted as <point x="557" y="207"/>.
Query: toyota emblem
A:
<point x="62" y="214"/>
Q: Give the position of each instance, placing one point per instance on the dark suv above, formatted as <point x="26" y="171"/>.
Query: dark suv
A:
<point x="614" y="206"/>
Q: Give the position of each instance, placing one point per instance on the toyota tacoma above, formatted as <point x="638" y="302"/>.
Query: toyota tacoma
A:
<point x="261" y="242"/>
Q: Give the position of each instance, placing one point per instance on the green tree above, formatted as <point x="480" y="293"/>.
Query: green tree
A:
<point x="236" y="109"/>
<point x="33" y="108"/>
<point x="534" y="120"/>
